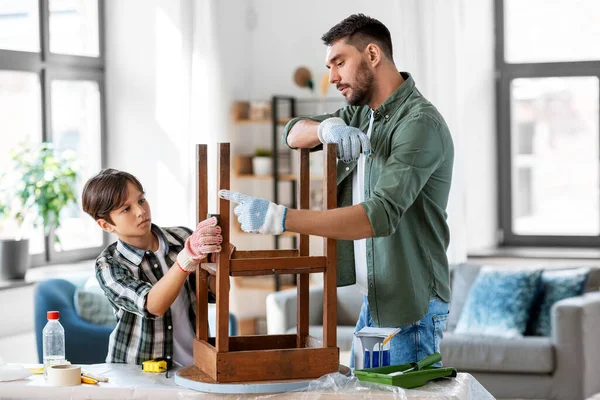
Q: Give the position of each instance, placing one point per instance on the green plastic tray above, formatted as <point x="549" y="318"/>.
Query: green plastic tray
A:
<point x="422" y="373"/>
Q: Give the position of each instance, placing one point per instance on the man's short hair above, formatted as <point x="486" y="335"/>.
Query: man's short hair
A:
<point x="106" y="192"/>
<point x="360" y="30"/>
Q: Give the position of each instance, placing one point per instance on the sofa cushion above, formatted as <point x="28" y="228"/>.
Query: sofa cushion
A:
<point x="463" y="276"/>
<point x="593" y="282"/>
<point x="499" y="302"/>
<point x="349" y="303"/>
<point x="555" y="285"/>
<point x="485" y="354"/>
<point x="94" y="307"/>
<point x="345" y="335"/>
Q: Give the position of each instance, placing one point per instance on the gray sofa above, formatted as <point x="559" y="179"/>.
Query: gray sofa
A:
<point x="281" y="314"/>
<point x="562" y="366"/>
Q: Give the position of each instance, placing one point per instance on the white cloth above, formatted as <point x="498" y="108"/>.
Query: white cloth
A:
<point x="12" y="372"/>
<point x="183" y="333"/>
<point x="358" y="196"/>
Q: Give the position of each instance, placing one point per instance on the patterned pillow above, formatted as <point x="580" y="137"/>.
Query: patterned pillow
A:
<point x="499" y="302"/>
<point x="94" y="307"/>
<point x="555" y="285"/>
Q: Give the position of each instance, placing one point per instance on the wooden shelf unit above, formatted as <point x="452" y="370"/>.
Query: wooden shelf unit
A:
<point x="225" y="359"/>
<point x="282" y="177"/>
<point x="280" y="121"/>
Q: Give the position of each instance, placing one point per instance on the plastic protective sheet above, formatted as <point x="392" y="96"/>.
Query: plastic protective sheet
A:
<point x="463" y="387"/>
<point x="12" y="372"/>
<point x="331" y="386"/>
<point x="340" y="386"/>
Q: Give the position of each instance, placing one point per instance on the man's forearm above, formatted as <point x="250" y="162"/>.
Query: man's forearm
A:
<point x="303" y="135"/>
<point x="347" y="223"/>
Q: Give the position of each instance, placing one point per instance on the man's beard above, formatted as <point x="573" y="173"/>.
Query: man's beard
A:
<point x="362" y="90"/>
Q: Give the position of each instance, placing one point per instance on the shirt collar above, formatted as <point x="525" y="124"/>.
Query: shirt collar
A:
<point x="398" y="97"/>
<point x="135" y="255"/>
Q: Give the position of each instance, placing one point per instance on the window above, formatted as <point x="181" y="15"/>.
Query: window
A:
<point x="52" y="89"/>
<point x="548" y="68"/>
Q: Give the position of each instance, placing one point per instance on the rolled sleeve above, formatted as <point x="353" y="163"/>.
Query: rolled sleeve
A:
<point x="416" y="152"/>
<point x="123" y="289"/>
<point x="345" y="113"/>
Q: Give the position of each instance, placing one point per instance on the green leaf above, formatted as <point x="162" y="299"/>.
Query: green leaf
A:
<point x="40" y="182"/>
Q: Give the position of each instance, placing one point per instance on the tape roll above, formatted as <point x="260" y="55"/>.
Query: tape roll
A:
<point x="64" y="375"/>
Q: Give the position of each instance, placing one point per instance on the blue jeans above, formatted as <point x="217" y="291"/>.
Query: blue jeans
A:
<point x="415" y="341"/>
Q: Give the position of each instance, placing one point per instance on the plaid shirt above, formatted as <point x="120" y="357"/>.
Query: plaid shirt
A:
<point x="126" y="274"/>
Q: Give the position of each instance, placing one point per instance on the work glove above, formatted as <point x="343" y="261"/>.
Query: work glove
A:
<point x="348" y="139"/>
<point x="257" y="215"/>
<point x="206" y="239"/>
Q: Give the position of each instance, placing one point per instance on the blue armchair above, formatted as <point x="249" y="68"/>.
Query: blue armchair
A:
<point x="85" y="343"/>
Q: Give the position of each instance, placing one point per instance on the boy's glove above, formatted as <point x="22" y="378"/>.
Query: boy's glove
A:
<point x="257" y="215"/>
<point x="206" y="239"/>
<point x="348" y="139"/>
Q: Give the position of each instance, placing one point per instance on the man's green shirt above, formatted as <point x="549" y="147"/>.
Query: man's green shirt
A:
<point x="407" y="182"/>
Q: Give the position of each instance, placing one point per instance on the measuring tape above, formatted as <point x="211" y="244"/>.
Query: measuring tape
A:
<point x="156" y="365"/>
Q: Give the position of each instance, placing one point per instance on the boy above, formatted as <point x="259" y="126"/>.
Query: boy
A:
<point x="145" y="273"/>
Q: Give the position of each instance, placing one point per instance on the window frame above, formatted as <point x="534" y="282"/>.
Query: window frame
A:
<point x="505" y="74"/>
<point x="49" y="66"/>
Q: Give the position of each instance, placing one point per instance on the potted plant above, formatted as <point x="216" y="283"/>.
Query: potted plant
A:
<point x="36" y="186"/>
<point x="262" y="162"/>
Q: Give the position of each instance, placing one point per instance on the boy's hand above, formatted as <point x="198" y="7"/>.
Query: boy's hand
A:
<point x="257" y="215"/>
<point x="212" y="257"/>
<point x="206" y="239"/>
<point x="348" y="139"/>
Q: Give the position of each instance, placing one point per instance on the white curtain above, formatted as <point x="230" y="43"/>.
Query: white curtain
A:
<point x="209" y="93"/>
<point x="427" y="43"/>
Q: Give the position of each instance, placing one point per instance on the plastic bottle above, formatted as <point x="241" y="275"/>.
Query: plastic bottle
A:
<point x="53" y="341"/>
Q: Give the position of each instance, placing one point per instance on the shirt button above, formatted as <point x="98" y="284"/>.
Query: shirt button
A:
<point x="370" y="285"/>
<point x="148" y="252"/>
<point x="155" y="265"/>
<point x="168" y="357"/>
<point x="169" y="327"/>
<point x="347" y="168"/>
<point x="387" y="116"/>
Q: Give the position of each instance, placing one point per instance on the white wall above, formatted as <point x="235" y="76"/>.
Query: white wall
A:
<point x="148" y="99"/>
<point x="287" y="35"/>
<point x="172" y="70"/>
<point x="17" y="334"/>
<point x="257" y="46"/>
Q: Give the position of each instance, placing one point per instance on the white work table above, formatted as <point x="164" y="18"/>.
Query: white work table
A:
<point x="129" y="382"/>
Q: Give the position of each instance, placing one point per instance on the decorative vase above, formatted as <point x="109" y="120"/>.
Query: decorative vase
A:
<point x="14" y="258"/>
<point x="262" y="165"/>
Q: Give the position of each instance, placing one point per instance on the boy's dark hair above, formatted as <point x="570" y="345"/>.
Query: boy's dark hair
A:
<point x="106" y="192"/>
<point x="360" y="30"/>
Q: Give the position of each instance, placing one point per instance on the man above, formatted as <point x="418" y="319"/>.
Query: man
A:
<point x="392" y="194"/>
